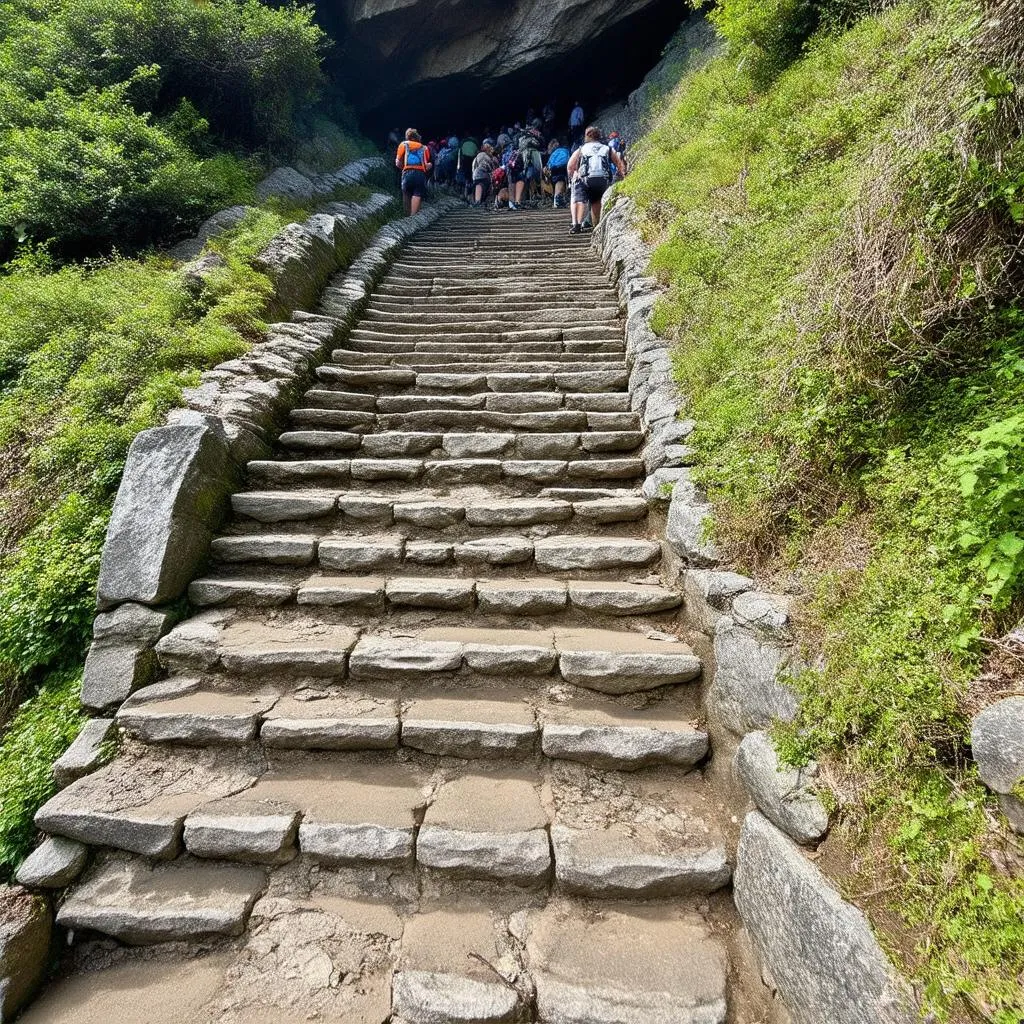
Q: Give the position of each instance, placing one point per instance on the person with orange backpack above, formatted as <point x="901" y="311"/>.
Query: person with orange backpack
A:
<point x="413" y="160"/>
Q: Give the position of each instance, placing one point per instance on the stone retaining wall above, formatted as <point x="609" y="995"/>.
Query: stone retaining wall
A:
<point x="816" y="949"/>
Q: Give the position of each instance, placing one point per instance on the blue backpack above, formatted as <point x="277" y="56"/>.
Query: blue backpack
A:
<point x="414" y="158"/>
<point x="559" y="159"/>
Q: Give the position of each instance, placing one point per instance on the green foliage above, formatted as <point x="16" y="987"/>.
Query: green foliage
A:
<point x="769" y="34"/>
<point x="41" y="730"/>
<point x="109" y="112"/>
<point x="841" y="244"/>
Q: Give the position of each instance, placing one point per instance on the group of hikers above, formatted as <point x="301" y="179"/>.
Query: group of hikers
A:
<point x="522" y="165"/>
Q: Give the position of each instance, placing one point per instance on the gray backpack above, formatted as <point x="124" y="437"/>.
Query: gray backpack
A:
<point x="595" y="161"/>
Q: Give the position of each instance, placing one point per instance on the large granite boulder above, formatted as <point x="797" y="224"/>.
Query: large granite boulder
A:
<point x="25" y="929"/>
<point x="816" y="947"/>
<point x="173" y="492"/>
<point x="997" y="741"/>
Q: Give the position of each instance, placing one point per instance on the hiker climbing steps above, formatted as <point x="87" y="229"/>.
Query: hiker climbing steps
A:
<point x="433" y="665"/>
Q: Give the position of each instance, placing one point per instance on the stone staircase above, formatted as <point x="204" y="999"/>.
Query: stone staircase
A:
<point x="432" y="697"/>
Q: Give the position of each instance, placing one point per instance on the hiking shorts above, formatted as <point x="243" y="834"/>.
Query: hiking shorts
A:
<point x="414" y="184"/>
<point x="559" y="174"/>
<point x="589" y="190"/>
<point x="485" y="183"/>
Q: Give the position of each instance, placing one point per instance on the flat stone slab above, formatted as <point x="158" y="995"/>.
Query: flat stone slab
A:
<point x="311" y="719"/>
<point x="85" y="754"/>
<point x="244" y="829"/>
<point x="352" y="812"/>
<point x="613" y="662"/>
<point x="195" y="718"/>
<point x="619" y="739"/>
<point x="250" y="647"/>
<point x="352" y="554"/>
<point x="566" y="553"/>
<point x="487" y="826"/>
<point x="610" y="863"/>
<point x="440" y="976"/>
<point x="641" y="965"/>
<point x="521" y="597"/>
<point x="275" y="549"/>
<point x="364" y="592"/>
<point x="184" y="901"/>
<point x="476" y="727"/>
<point x="376" y="657"/>
<point x="622" y="598"/>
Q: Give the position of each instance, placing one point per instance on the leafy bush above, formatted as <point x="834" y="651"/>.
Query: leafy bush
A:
<point x="768" y="34"/>
<point x="110" y="113"/>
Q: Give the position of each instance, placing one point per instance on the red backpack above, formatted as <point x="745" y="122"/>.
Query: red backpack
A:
<point x="498" y="178"/>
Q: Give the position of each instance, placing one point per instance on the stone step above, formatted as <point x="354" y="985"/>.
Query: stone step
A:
<point x="399" y="444"/>
<point x="627" y="965"/>
<point x="497" y="402"/>
<point x="559" y="553"/>
<point x="513" y="597"/>
<point x="511" y="308"/>
<point x="485" y="821"/>
<point x="470" y="722"/>
<point x="461" y="361"/>
<point x="490" y="378"/>
<point x="430" y="511"/>
<point x="488" y="329"/>
<point x="186" y="901"/>
<point x="483" y="347"/>
<point x="408" y="321"/>
<point x="493" y="294"/>
<point x="607" y="661"/>
<point x="518" y="476"/>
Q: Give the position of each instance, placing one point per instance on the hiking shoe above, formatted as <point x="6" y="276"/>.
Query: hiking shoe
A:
<point x="575" y="229"/>
<point x="514" y="206"/>
<point x="587" y="227"/>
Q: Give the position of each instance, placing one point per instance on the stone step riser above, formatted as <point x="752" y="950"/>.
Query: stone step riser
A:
<point x="602" y="555"/>
<point x="475" y="445"/>
<point x="454" y="306"/>
<point x="481" y="330"/>
<point x="443" y="593"/>
<point x="484" y="348"/>
<point x="469" y="362"/>
<point x="502" y="379"/>
<point x="519" y="402"/>
<point x="359" y="509"/>
<point x="486" y="293"/>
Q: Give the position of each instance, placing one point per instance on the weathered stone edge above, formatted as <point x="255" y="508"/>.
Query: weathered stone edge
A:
<point x="753" y="645"/>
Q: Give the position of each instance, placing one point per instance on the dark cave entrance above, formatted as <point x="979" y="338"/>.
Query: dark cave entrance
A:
<point x="604" y="71"/>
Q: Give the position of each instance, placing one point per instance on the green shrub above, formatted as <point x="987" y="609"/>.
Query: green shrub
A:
<point x="111" y="110"/>
<point x="41" y="730"/>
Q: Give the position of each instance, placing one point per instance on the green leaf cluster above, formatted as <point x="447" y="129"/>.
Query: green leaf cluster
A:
<point x="111" y="112"/>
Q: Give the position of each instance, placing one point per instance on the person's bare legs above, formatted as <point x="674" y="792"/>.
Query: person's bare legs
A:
<point x="579" y="211"/>
<point x="414" y="205"/>
<point x="520" y="189"/>
<point x="595" y="213"/>
<point x="478" y="194"/>
<point x="406" y="202"/>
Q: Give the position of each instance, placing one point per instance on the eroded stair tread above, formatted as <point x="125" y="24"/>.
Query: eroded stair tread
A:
<point x="139" y="904"/>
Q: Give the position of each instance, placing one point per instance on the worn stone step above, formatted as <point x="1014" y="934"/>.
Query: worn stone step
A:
<point x="516" y="308"/>
<point x="483" y="346"/>
<point x="587" y="380"/>
<point x="427" y="364"/>
<point x="383" y="510"/>
<point x="627" y="964"/>
<point x="558" y="553"/>
<point x="477" y="444"/>
<point x="455" y="320"/>
<point x="446" y="971"/>
<point x="529" y="596"/>
<point x="490" y="826"/>
<point x="137" y="904"/>
<point x="608" y="661"/>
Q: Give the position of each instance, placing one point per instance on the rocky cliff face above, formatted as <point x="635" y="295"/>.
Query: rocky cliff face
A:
<point x="411" y="55"/>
